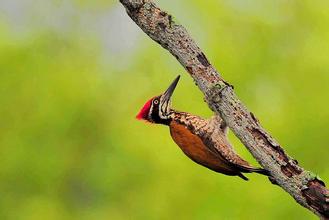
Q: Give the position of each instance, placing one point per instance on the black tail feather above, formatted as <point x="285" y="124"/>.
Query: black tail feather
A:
<point x="253" y="170"/>
<point x="261" y="171"/>
<point x="243" y="177"/>
<point x="250" y="169"/>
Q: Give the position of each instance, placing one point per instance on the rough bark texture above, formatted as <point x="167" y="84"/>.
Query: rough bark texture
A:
<point x="302" y="185"/>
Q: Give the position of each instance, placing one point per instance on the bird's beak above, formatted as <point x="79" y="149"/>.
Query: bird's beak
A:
<point x="168" y="93"/>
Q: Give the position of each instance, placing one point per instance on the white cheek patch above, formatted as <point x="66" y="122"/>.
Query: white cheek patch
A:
<point x="150" y="111"/>
<point x="165" y="107"/>
<point x="165" y="110"/>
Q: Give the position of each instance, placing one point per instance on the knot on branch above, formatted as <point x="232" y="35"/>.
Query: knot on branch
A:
<point x="317" y="196"/>
<point x="214" y="93"/>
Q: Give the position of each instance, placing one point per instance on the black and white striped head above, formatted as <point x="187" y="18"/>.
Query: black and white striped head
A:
<point x="158" y="109"/>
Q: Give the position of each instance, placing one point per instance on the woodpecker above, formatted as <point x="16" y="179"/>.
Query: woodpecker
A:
<point x="202" y="140"/>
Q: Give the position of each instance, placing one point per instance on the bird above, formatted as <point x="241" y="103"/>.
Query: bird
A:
<point x="204" y="141"/>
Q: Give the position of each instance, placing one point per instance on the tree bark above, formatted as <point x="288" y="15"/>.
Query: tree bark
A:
<point x="305" y="187"/>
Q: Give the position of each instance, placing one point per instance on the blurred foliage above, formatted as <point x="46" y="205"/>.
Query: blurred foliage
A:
<point x="70" y="147"/>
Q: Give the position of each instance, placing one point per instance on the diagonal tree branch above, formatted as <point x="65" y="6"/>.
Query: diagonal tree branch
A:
<point x="302" y="185"/>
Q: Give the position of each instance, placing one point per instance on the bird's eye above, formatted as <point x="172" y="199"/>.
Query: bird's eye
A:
<point x="156" y="101"/>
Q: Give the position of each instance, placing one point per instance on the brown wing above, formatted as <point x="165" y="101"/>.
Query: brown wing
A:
<point x="218" y="142"/>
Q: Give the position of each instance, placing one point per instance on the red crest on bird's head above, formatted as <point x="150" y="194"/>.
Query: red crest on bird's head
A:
<point x="143" y="113"/>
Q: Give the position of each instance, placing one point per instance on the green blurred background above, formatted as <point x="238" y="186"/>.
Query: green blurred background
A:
<point x="74" y="73"/>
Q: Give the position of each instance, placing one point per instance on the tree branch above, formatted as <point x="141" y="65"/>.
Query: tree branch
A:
<point x="302" y="185"/>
